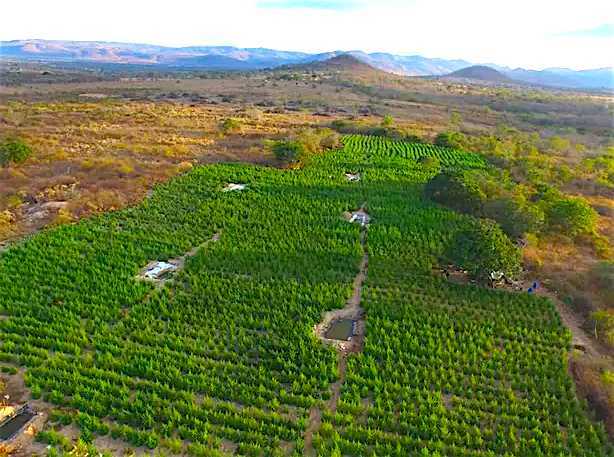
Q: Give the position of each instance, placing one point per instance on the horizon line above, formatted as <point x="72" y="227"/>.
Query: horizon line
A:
<point x="311" y="53"/>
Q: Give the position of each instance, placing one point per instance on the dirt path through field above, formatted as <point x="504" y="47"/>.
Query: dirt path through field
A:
<point x="336" y="387"/>
<point x="587" y="360"/>
<point x="179" y="262"/>
<point x="352" y="310"/>
<point x="355" y="312"/>
<point x="581" y="339"/>
<point x="315" y="420"/>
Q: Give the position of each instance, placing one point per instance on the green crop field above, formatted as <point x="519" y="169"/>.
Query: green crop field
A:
<point x="224" y="356"/>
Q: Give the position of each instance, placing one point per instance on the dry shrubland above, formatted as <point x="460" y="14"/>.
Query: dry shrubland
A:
<point x="101" y="156"/>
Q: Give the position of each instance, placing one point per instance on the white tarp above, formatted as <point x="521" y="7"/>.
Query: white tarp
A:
<point x="158" y="269"/>
<point x="496" y="275"/>
<point x="360" y="217"/>
<point x="234" y="186"/>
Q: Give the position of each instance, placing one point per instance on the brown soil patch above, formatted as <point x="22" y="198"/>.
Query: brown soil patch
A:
<point x="447" y="401"/>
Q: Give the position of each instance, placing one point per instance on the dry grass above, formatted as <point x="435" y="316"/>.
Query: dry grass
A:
<point x="593" y="383"/>
<point x="569" y="264"/>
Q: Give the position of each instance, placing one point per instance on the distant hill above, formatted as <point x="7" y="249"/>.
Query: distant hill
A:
<point x="481" y="73"/>
<point x="401" y="65"/>
<point x="338" y="63"/>
<point x="601" y="78"/>
<point x="213" y="62"/>
<point x="231" y="58"/>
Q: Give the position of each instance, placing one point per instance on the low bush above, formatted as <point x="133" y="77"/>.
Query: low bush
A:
<point x="304" y="144"/>
<point x="231" y="125"/>
<point x="53" y="438"/>
<point x="14" y="150"/>
<point x="450" y="140"/>
<point x="604" y="325"/>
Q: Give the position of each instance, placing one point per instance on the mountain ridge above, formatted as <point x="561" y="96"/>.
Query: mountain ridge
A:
<point x="245" y="59"/>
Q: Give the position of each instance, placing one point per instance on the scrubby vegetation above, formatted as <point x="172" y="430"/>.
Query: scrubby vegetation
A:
<point x="534" y="160"/>
<point x="550" y="190"/>
<point x="225" y="353"/>
<point x="519" y="210"/>
<point x="304" y="144"/>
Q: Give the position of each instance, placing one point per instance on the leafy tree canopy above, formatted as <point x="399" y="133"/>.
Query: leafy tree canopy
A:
<point x="14" y="150"/>
<point x="483" y="248"/>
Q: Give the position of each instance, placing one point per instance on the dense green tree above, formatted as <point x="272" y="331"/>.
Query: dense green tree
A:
<point x="289" y="150"/>
<point x="571" y="216"/>
<point x="487" y="194"/>
<point x="456" y="190"/>
<point x="14" y="150"/>
<point x="304" y="144"/>
<point x="483" y="248"/>
<point x="514" y="218"/>
<point x="450" y="140"/>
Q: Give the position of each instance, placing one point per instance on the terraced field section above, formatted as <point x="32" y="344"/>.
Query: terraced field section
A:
<point x="222" y="358"/>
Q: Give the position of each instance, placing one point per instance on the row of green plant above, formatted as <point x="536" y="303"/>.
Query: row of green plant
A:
<point x="225" y="351"/>
<point x="447" y="369"/>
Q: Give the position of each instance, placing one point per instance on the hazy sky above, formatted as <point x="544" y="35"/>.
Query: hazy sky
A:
<point x="529" y="33"/>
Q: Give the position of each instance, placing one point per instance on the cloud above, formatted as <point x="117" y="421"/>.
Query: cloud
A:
<point x="601" y="31"/>
<point x="336" y="5"/>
